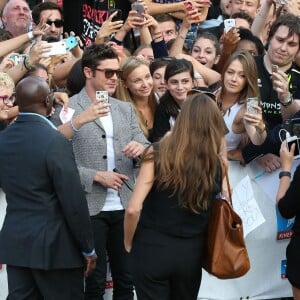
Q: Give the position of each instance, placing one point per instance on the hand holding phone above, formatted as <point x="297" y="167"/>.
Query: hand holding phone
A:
<point x="102" y="96"/>
<point x="250" y="105"/>
<point x="189" y="6"/>
<point x="139" y="8"/>
<point x="228" y="24"/>
<point x="293" y="140"/>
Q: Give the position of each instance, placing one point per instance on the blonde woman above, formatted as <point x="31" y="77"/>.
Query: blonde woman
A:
<point x="137" y="87"/>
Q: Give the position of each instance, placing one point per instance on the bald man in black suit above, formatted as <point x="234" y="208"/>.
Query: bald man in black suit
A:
<point x="46" y="237"/>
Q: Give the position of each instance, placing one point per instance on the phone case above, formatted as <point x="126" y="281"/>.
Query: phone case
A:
<point x="71" y="42"/>
<point x="58" y="48"/>
<point x="228" y="24"/>
<point x="294" y="140"/>
<point x="250" y="103"/>
<point x="102" y="95"/>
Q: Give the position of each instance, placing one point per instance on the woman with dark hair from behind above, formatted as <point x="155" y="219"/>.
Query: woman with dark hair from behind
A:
<point x="76" y="79"/>
<point x="167" y="215"/>
<point x="179" y="78"/>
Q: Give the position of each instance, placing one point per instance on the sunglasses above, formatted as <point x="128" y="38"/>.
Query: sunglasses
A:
<point x="8" y="100"/>
<point x="199" y="91"/>
<point x="57" y="23"/>
<point x="109" y="73"/>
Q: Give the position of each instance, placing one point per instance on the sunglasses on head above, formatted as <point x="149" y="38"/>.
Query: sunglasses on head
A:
<point x="57" y="23"/>
<point x="109" y="73"/>
<point x="199" y="91"/>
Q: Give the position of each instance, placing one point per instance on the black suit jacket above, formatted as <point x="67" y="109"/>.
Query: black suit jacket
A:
<point x="47" y="224"/>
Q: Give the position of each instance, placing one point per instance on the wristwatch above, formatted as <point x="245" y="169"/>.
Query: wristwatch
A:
<point x="287" y="102"/>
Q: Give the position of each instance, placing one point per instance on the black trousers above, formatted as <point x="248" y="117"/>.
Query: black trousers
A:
<point x="165" y="267"/>
<point x="109" y="241"/>
<point x="33" y="284"/>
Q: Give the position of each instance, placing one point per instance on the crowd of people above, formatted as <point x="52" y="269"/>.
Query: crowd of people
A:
<point x="115" y="126"/>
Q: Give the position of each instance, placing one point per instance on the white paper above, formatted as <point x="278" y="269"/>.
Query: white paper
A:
<point x="269" y="182"/>
<point x="245" y="205"/>
<point x="66" y="114"/>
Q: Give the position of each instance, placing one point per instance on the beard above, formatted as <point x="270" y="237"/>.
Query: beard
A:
<point x="51" y="39"/>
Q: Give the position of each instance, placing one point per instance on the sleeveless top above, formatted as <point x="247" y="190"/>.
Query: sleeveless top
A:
<point x="232" y="139"/>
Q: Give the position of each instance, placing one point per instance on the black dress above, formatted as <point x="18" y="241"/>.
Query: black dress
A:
<point x="289" y="207"/>
<point x="167" y="248"/>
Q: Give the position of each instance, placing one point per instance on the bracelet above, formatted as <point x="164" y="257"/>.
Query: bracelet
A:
<point x="284" y="173"/>
<point x="72" y="126"/>
<point x="287" y="102"/>
<point x="30" y="35"/>
<point x="27" y="63"/>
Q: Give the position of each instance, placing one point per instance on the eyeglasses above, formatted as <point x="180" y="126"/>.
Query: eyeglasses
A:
<point x="8" y="100"/>
<point x="109" y="73"/>
<point x="57" y="23"/>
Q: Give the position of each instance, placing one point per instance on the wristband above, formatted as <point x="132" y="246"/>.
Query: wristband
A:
<point x="72" y="126"/>
<point x="287" y="102"/>
<point x="30" y="35"/>
<point x="284" y="173"/>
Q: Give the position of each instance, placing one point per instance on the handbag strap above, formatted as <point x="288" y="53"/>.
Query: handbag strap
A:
<point x="225" y="174"/>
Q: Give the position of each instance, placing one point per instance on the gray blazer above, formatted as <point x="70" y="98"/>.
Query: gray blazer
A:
<point x="89" y="146"/>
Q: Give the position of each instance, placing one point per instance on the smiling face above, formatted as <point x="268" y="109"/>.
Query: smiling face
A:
<point x="139" y="82"/>
<point x="16" y="17"/>
<point x="179" y="85"/>
<point x="234" y="78"/>
<point x="204" y="51"/>
<point x="283" y="48"/>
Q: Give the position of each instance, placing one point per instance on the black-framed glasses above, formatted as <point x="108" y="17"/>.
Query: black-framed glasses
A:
<point x="109" y="73"/>
<point x="8" y="100"/>
<point x="57" y="23"/>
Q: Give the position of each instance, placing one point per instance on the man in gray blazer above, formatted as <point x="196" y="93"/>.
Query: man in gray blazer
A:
<point x="108" y="143"/>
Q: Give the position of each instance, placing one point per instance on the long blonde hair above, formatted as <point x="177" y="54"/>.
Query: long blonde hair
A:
<point x="188" y="158"/>
<point x="124" y="94"/>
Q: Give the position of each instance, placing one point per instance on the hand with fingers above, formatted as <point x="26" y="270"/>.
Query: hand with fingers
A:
<point x="108" y="27"/>
<point x="133" y="149"/>
<point x="110" y="179"/>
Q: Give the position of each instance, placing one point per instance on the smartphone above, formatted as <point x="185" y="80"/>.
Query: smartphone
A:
<point x="294" y="140"/>
<point x="102" y="95"/>
<point x="250" y="103"/>
<point x="17" y="58"/>
<point x="71" y="42"/>
<point x="139" y="7"/>
<point x="118" y="16"/>
<point x="274" y="68"/>
<point x="228" y="24"/>
<point x="58" y="48"/>
<point x="189" y="5"/>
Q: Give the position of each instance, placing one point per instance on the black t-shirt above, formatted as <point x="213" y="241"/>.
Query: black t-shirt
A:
<point x="85" y="17"/>
<point x="269" y="98"/>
